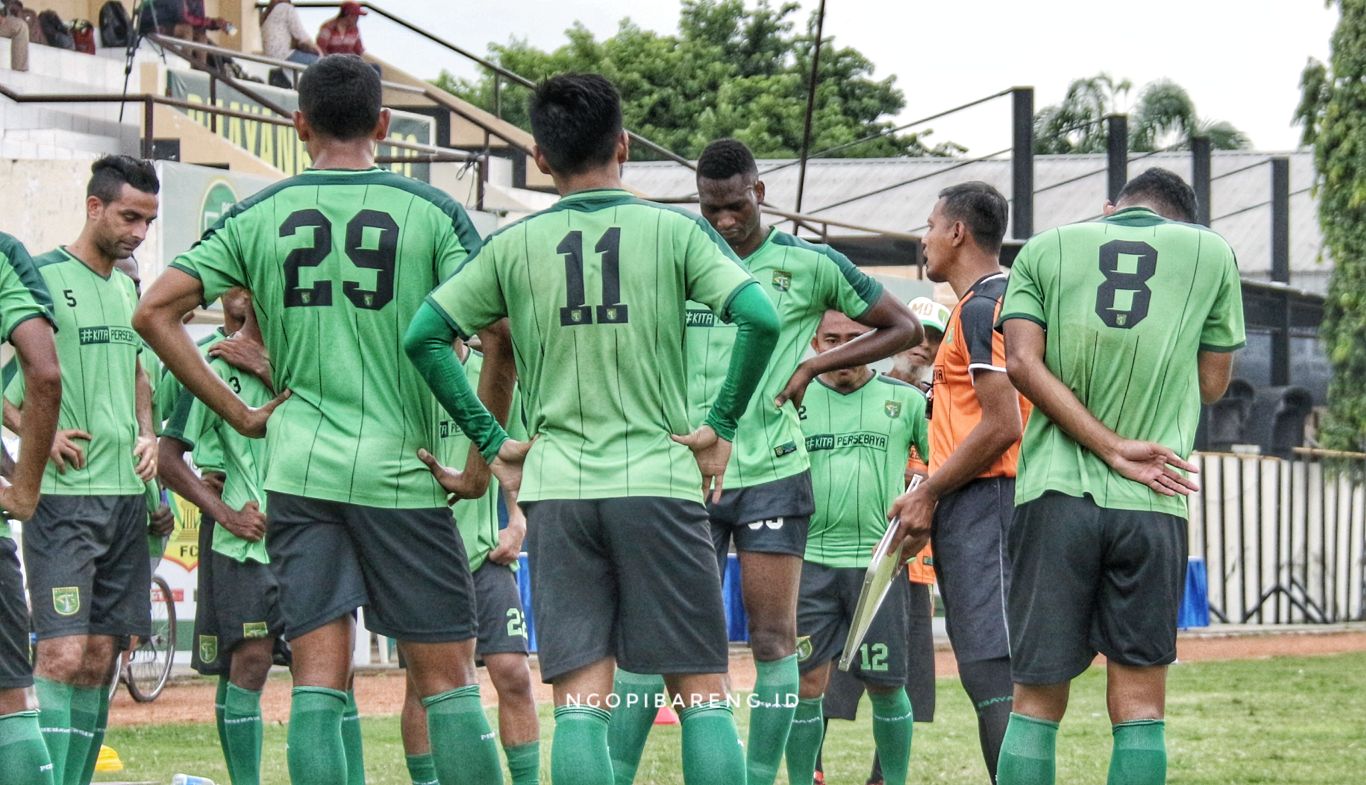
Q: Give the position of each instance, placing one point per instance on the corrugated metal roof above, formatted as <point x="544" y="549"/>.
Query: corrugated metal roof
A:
<point x="1068" y="188"/>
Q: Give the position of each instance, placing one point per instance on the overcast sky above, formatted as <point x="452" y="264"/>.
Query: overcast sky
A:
<point x="1240" y="59"/>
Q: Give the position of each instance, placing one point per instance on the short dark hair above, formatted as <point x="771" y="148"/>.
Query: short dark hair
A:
<point x="982" y="208"/>
<point x="1164" y="190"/>
<point x="109" y="174"/>
<point x="340" y="96"/>
<point x="576" y="121"/>
<point x="725" y="158"/>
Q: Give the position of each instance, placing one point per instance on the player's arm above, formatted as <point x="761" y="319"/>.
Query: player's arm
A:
<point x="14" y="419"/>
<point x="1222" y="334"/>
<point x="145" y="448"/>
<point x="510" y="537"/>
<point x="496" y="382"/>
<point x="245" y="354"/>
<point x="159" y="320"/>
<point x="1146" y="463"/>
<point x="65" y="448"/>
<point x="176" y="474"/>
<point x="37" y="352"/>
<point x="895" y="329"/>
<point x="1216" y="371"/>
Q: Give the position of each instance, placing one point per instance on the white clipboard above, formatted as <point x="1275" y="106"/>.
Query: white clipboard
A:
<point x="877" y="581"/>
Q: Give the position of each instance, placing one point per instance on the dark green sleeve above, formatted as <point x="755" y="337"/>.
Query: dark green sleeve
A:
<point x="753" y="313"/>
<point x="428" y="344"/>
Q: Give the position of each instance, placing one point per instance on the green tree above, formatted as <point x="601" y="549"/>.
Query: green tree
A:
<point x="1163" y="117"/>
<point x="731" y="70"/>
<point x="1332" y="114"/>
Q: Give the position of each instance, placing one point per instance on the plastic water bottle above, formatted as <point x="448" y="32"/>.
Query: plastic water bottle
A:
<point x="190" y="779"/>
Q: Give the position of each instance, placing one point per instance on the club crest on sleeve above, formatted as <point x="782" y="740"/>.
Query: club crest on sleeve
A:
<point x="892" y="409"/>
<point x="66" y="600"/>
<point x="782" y="280"/>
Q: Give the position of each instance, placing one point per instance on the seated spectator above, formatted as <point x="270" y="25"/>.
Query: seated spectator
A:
<point x="341" y="35"/>
<point x="184" y="19"/>
<point x="13" y="27"/>
<point x="283" y="36"/>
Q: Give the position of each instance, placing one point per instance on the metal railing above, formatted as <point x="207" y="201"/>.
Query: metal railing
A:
<point x="1284" y="541"/>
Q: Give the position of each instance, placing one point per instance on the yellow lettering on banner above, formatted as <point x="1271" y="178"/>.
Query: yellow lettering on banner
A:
<point x="253" y="131"/>
<point x="285" y="157"/>
<point x="267" y="152"/>
<point x="183" y="545"/>
<point x="234" y="131"/>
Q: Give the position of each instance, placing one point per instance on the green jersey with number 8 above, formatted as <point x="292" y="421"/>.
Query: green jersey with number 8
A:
<point x="338" y="262"/>
<point x="1128" y="304"/>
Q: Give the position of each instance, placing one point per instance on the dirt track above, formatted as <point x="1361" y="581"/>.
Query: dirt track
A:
<point x="380" y="692"/>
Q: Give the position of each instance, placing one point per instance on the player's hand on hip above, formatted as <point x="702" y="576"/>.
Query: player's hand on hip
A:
<point x="712" y="453"/>
<point x="912" y="513"/>
<point x="249" y="523"/>
<point x="145" y="450"/>
<point x="457" y="484"/>
<point x="507" y="467"/>
<point x="1153" y="465"/>
<point x="65" y="450"/>
<point x="161" y="522"/>
<point x="243" y="354"/>
<point x="16" y="505"/>
<point x="510" y="539"/>
<point x="795" y="389"/>
<point x="253" y="424"/>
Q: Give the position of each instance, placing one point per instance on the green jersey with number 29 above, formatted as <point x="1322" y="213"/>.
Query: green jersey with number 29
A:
<point x="1128" y="304"/>
<point x="338" y="262"/>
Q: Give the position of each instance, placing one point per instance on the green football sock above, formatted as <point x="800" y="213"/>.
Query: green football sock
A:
<point x="314" y="740"/>
<point x="92" y="756"/>
<point x="770" y="717"/>
<point x="712" y="754"/>
<point x="578" y="755"/>
<point x="85" y="720"/>
<point x="893" y="722"/>
<point x="351" y="742"/>
<point x="637" y="704"/>
<point x="1028" y="752"/>
<point x="421" y="769"/>
<point x="22" y="751"/>
<point x="1140" y="756"/>
<point x="804" y="742"/>
<point x="54" y="718"/>
<point x="242" y="735"/>
<point x="524" y="763"/>
<point x="220" y="700"/>
<point x="463" y="745"/>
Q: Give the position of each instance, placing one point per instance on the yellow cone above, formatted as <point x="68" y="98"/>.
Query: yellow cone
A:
<point x="108" y="760"/>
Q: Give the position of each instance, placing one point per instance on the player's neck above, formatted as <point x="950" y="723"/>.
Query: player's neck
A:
<point x="353" y="154"/>
<point x="91" y="256"/>
<point x="844" y="383"/>
<point x="751" y="243"/>
<point x="972" y="267"/>
<point x="602" y="178"/>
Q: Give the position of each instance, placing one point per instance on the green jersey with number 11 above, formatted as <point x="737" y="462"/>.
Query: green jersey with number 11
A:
<point x="1128" y="304"/>
<point x="337" y="262"/>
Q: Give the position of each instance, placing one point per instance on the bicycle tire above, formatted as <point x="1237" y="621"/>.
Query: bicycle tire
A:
<point x="149" y="667"/>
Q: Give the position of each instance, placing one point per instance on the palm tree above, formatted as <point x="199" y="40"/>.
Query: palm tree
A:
<point x="1163" y="118"/>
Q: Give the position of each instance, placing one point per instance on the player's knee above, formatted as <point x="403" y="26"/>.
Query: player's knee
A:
<point x="251" y="667"/>
<point x="510" y="675"/>
<point x="772" y="641"/>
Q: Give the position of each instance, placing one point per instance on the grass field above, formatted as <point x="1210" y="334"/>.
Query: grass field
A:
<point x="1287" y="720"/>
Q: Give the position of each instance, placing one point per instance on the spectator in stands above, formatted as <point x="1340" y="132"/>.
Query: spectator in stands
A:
<point x="184" y="19"/>
<point x="341" y="35"/>
<point x="283" y="36"/>
<point x="13" y="27"/>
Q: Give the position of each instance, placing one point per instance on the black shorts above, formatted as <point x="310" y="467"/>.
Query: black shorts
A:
<point x="407" y="568"/>
<point x="16" y="668"/>
<point x="973" y="569"/>
<point x="502" y="622"/>
<point x="768" y="518"/>
<point x="88" y="567"/>
<point x="825" y="609"/>
<point x="1089" y="579"/>
<point x="237" y="601"/>
<point x="633" y="578"/>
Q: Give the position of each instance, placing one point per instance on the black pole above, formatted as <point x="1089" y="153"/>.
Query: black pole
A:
<point x="1200" y="181"/>
<point x="1280" y="220"/>
<point x="1022" y="162"/>
<point x="1117" y="153"/>
<point x="810" y="103"/>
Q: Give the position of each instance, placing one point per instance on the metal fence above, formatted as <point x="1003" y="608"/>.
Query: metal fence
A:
<point x="1284" y="541"/>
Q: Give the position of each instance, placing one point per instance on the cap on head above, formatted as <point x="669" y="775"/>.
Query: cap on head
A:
<point x="932" y="315"/>
<point x="353" y="9"/>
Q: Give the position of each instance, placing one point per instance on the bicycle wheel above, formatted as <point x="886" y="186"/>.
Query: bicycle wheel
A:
<point x="150" y="664"/>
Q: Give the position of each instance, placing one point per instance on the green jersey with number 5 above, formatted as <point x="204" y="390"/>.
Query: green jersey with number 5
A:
<point x="1128" y="304"/>
<point x="338" y="262"/>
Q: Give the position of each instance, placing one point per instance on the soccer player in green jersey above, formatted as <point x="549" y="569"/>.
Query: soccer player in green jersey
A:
<point x="1116" y="330"/>
<point x="238" y="622"/>
<point x="85" y="548"/>
<point x="26" y="321"/>
<point x="859" y="428"/>
<point x="502" y="646"/>
<point x="338" y="259"/>
<point x="767" y="502"/>
<point x="594" y="290"/>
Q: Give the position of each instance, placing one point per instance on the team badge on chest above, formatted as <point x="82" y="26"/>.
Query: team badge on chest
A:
<point x="782" y="280"/>
<point x="892" y="409"/>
